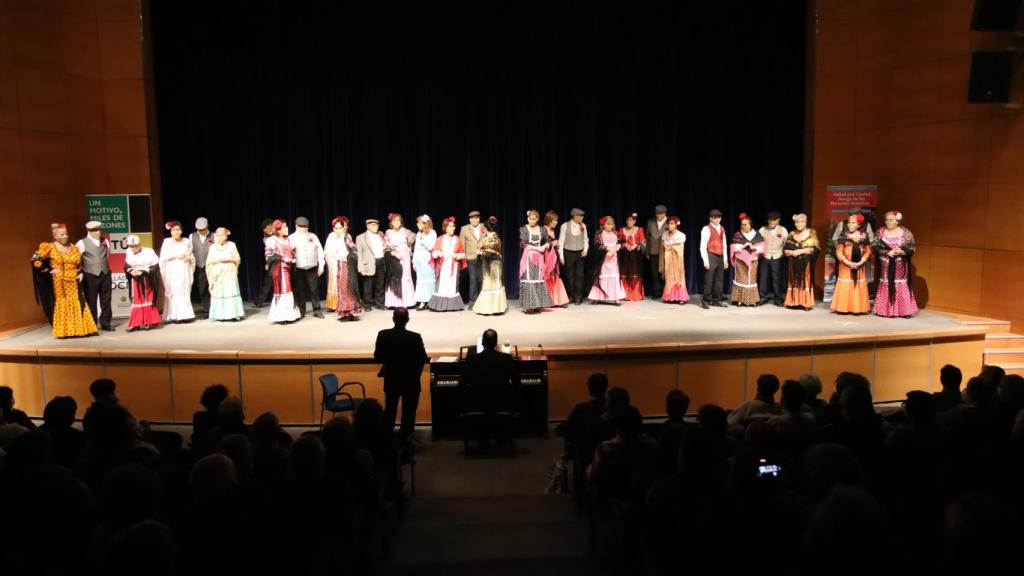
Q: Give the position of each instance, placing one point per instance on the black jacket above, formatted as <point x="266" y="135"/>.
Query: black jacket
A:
<point x="402" y="356"/>
<point x="490" y="383"/>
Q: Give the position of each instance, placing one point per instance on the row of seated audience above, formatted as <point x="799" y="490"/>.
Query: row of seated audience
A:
<point x="802" y="485"/>
<point x="112" y="498"/>
<point x="798" y="485"/>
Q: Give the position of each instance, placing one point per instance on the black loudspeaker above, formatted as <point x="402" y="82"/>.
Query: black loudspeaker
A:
<point x="991" y="77"/>
<point x="995" y="15"/>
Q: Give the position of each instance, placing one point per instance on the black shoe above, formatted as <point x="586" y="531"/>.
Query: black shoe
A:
<point x="107" y="328"/>
<point x="318" y="314"/>
<point x="721" y="304"/>
<point x="704" y="305"/>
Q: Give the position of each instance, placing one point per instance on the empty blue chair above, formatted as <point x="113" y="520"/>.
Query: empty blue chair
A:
<point x="336" y="399"/>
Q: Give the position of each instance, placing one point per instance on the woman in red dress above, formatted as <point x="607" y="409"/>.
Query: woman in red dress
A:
<point x="631" y="258"/>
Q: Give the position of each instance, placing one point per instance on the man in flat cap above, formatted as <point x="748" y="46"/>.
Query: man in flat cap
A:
<point x="95" y="251"/>
<point x="713" y="246"/>
<point x="655" y="227"/>
<point x="370" y="263"/>
<point x="772" y="282"/>
<point x="201" y="241"/>
<point x="470" y="235"/>
<point x="309" y="267"/>
<point x="573" y="245"/>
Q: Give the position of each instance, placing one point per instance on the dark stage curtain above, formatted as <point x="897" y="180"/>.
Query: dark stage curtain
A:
<point x="282" y="109"/>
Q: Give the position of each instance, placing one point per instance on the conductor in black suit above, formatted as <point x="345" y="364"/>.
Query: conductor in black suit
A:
<point x="402" y="356"/>
<point x="490" y="382"/>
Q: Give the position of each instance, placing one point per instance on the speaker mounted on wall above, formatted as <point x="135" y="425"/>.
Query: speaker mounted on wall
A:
<point x="991" y="77"/>
<point x="996" y="15"/>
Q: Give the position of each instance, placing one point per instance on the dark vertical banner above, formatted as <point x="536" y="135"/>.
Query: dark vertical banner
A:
<point x="317" y="109"/>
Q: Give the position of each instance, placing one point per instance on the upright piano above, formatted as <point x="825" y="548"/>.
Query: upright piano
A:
<point x="446" y="374"/>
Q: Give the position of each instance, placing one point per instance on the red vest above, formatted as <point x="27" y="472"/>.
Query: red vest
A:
<point x="716" y="243"/>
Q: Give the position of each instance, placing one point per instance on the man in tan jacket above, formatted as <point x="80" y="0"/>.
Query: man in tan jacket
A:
<point x="370" y="253"/>
<point x="470" y="236"/>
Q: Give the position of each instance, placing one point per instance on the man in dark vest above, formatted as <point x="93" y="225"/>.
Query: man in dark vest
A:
<point x="201" y="241"/>
<point x="95" y="251"/>
<point x="402" y="357"/>
<point x="655" y="228"/>
<point x="714" y="251"/>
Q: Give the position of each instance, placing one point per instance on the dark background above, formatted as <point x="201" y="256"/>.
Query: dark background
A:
<point x="282" y="109"/>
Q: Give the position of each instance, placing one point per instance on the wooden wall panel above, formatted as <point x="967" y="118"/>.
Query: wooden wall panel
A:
<point x="787" y="366"/>
<point x="189" y="381"/>
<point x="567" y="383"/>
<point x="956" y="275"/>
<point x="62" y="124"/>
<point x="827" y="363"/>
<point x="1004" y="286"/>
<point x="285" y="390"/>
<point x="70" y="378"/>
<point x="967" y="356"/>
<point x="144" y="389"/>
<point x="25" y="378"/>
<point x="954" y="168"/>
<point x="647" y="379"/>
<point x="713" y="379"/>
<point x="899" y="369"/>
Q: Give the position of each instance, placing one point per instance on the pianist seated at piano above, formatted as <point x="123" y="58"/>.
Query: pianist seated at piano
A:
<point x="489" y="395"/>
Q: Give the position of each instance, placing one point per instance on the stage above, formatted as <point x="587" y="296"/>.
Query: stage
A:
<point x="714" y="355"/>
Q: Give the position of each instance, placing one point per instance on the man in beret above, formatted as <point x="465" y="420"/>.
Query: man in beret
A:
<point x="309" y="267"/>
<point x="655" y="227"/>
<point x="470" y="235"/>
<point x="713" y="246"/>
<point x="370" y="254"/>
<point x="95" y="251"/>
<point x="772" y="282"/>
<point x="201" y="241"/>
<point x="573" y="245"/>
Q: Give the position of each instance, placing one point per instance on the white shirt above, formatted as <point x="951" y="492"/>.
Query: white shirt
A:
<point x="336" y="248"/>
<point x="476" y="231"/>
<point x="774" y="240"/>
<point x="661" y="223"/>
<point x="145" y="259"/>
<point x="705" y="237"/>
<point x="376" y="245"/>
<point x="308" y="251"/>
<point x="81" y="243"/>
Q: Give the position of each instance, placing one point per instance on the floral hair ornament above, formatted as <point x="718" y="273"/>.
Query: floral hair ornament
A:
<point x="898" y="215"/>
<point x="859" y="218"/>
<point x="169" y="225"/>
<point x="632" y="215"/>
<point x="278" y="224"/>
<point x="393" y="215"/>
<point x="674" y="219"/>
<point x="343" y="220"/>
<point x="226" y="231"/>
<point x="602" y="220"/>
<point x="743" y="216"/>
<point x="425" y="218"/>
<point x="492" y="219"/>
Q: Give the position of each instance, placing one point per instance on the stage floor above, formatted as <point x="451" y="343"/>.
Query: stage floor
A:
<point x="633" y="323"/>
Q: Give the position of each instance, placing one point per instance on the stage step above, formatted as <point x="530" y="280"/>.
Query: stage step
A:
<point x="991" y="325"/>
<point x="1007" y="340"/>
<point x="1001" y="356"/>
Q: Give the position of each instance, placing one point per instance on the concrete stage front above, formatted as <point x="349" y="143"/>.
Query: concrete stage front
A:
<point x="648" y="347"/>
